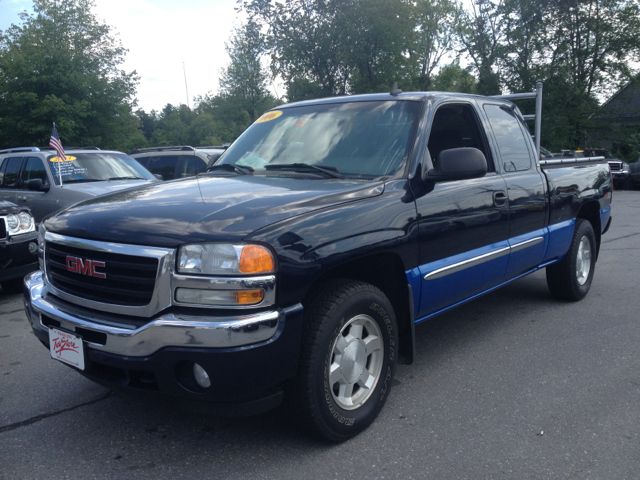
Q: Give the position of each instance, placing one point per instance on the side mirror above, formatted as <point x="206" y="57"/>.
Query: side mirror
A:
<point x="458" y="164"/>
<point x="37" y="185"/>
<point x="158" y="176"/>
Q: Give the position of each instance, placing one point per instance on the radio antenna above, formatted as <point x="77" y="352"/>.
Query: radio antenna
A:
<point x="185" y="84"/>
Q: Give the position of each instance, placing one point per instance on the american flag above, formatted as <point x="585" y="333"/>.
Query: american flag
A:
<point x="55" y="143"/>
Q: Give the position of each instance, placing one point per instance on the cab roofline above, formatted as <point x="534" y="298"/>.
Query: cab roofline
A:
<point x="371" y="97"/>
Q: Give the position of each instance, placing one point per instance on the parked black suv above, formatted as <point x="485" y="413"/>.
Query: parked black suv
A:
<point x="178" y="161"/>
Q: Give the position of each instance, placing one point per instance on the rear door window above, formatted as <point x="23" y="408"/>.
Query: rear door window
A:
<point x="164" y="165"/>
<point x="510" y="138"/>
<point x="192" y="166"/>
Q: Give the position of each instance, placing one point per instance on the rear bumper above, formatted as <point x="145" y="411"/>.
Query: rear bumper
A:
<point x="247" y="358"/>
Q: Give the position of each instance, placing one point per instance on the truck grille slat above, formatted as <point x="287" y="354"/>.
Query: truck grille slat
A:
<point x="117" y="278"/>
<point x="130" y="280"/>
<point x="83" y="285"/>
<point x="126" y="265"/>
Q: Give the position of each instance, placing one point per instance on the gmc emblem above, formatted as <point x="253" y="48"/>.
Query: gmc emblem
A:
<point x="85" y="267"/>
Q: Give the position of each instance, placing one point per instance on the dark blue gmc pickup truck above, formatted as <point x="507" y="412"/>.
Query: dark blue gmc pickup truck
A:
<point x="297" y="267"/>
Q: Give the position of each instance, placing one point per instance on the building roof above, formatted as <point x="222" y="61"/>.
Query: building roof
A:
<point x="623" y="107"/>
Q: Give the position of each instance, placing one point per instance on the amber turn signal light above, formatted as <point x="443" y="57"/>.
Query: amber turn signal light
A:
<point x="256" y="259"/>
<point x="248" y="297"/>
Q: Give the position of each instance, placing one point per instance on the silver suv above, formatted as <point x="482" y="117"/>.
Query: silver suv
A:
<point x="178" y="161"/>
<point x="30" y="177"/>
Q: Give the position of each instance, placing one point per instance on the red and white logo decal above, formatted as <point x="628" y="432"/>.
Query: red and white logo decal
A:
<point x="85" y="267"/>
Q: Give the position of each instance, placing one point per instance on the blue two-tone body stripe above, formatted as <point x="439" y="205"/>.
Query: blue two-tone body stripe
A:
<point x="446" y="283"/>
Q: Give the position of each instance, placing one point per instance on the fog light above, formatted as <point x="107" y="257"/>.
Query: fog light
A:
<point x="219" y="297"/>
<point x="201" y="376"/>
<point x="33" y="247"/>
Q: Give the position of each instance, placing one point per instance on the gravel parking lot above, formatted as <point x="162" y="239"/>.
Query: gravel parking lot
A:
<point x="513" y="385"/>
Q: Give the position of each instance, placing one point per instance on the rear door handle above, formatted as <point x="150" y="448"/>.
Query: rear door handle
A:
<point x="499" y="198"/>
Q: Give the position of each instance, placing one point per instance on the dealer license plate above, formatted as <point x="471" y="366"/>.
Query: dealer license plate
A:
<point x="66" y="347"/>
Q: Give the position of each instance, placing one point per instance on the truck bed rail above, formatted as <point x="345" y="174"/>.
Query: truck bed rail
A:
<point x="569" y="160"/>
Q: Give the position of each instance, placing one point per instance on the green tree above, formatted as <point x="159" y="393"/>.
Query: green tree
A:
<point x="305" y="41"/>
<point x="454" y="78"/>
<point x="481" y="32"/>
<point x="334" y="47"/>
<point x="62" y="65"/>
<point x="434" y="37"/>
<point x="595" y="41"/>
<point x="582" y="49"/>
<point x="245" y="81"/>
<point x="379" y="35"/>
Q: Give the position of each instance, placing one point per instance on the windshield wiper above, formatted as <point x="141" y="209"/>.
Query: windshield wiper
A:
<point x="305" y="167"/>
<point x="127" y="178"/>
<point x="229" y="167"/>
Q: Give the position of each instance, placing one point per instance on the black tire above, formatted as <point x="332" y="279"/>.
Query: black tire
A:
<point x="12" y="286"/>
<point x="568" y="279"/>
<point x="333" y="313"/>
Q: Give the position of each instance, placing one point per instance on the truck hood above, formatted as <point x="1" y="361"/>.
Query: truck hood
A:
<point x="205" y="208"/>
<point x="95" y="189"/>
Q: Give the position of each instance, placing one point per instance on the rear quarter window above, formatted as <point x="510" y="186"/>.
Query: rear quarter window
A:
<point x="510" y="138"/>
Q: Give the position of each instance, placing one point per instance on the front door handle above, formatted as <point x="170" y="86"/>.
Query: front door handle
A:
<point x="22" y="199"/>
<point x="499" y="198"/>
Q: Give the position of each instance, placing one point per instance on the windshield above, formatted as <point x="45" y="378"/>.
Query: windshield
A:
<point x="361" y="139"/>
<point x="95" y="167"/>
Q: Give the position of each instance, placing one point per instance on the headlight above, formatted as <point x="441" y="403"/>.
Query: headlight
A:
<point x="12" y="223"/>
<point x="21" y="223"/>
<point x="26" y="221"/>
<point x="224" y="259"/>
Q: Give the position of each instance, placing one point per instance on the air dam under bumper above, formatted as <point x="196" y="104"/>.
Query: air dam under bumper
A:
<point x="247" y="357"/>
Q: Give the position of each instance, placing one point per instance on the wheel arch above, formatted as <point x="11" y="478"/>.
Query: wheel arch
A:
<point x="385" y="271"/>
<point x="591" y="211"/>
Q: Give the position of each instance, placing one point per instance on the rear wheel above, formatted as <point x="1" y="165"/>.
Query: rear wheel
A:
<point x="348" y="359"/>
<point x="571" y="278"/>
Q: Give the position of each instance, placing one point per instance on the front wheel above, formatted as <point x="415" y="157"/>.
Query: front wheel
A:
<point x="571" y="278"/>
<point x="348" y="359"/>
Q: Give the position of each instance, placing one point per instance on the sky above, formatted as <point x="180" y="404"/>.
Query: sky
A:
<point x="161" y="35"/>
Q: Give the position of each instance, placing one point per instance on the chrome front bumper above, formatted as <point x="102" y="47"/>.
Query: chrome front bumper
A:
<point x="167" y="330"/>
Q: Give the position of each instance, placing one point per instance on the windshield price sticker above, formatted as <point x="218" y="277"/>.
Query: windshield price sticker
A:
<point x="58" y="159"/>
<point x="66" y="347"/>
<point x="68" y="170"/>
<point x="267" y="117"/>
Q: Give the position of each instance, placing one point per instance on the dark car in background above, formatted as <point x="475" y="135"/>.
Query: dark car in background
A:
<point x="18" y="245"/>
<point x="30" y="177"/>
<point x="178" y="161"/>
<point x="620" y="170"/>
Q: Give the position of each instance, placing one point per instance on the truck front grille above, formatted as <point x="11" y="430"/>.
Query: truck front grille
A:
<point x="128" y="279"/>
<point x="3" y="228"/>
<point x="615" y="166"/>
